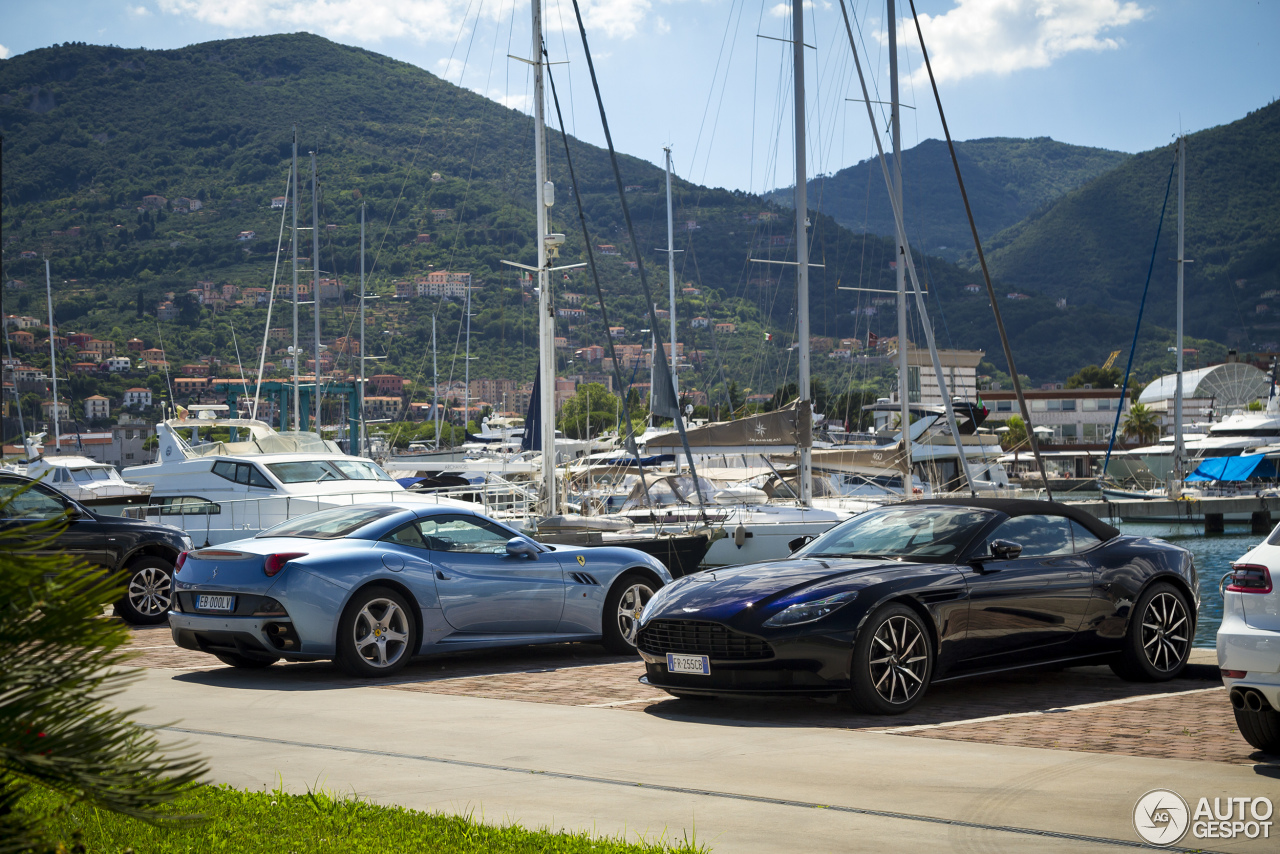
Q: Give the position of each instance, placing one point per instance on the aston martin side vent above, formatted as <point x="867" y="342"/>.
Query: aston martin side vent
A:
<point x="584" y="578"/>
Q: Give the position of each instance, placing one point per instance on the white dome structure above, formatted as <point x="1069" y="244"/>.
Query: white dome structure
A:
<point x="1232" y="385"/>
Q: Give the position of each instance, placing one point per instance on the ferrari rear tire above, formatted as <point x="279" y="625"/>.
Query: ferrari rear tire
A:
<point x="620" y="622"/>
<point x="244" y="662"/>
<point x="892" y="662"/>
<point x="376" y="633"/>
<point x="1158" y="642"/>
<point x="147" y="595"/>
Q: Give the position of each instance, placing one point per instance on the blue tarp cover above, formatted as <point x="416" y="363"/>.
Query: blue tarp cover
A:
<point x="1239" y="468"/>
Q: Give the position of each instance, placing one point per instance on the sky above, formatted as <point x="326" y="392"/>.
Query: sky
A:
<point x="709" y="78"/>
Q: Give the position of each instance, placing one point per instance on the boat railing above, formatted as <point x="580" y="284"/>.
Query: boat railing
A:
<point x="239" y="517"/>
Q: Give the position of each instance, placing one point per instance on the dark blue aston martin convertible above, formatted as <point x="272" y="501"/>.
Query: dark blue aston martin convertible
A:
<point x="908" y="594"/>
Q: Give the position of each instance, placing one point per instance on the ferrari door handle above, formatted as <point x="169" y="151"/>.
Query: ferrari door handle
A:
<point x="440" y="575"/>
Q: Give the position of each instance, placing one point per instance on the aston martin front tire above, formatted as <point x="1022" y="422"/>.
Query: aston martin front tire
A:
<point x="376" y="633"/>
<point x="892" y="662"/>
<point x="1158" y="642"/>
<point x="620" y="622"/>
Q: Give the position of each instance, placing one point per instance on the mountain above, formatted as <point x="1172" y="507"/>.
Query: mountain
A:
<point x="1007" y="180"/>
<point x="1094" y="246"/>
<point x="91" y="132"/>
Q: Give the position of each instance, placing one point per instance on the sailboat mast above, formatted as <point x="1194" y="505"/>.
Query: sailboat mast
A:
<point x="297" y="409"/>
<point x="360" y="392"/>
<point x="466" y="366"/>
<point x="546" y="320"/>
<point x="435" y="382"/>
<point x="671" y="277"/>
<point x="315" y="281"/>
<point x="1178" y="449"/>
<point x="802" y="244"/>
<point x="900" y="256"/>
<point x="53" y="360"/>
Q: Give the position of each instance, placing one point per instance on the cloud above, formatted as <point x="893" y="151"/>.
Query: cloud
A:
<point x="4" y="52"/>
<point x="1003" y="36"/>
<point x="373" y="20"/>
<point x="139" y="11"/>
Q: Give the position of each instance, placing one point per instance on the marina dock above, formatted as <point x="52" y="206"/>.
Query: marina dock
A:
<point x="1213" y="512"/>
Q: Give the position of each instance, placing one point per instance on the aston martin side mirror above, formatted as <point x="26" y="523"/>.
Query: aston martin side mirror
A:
<point x="800" y="542"/>
<point x="1005" y="549"/>
<point x="520" y="547"/>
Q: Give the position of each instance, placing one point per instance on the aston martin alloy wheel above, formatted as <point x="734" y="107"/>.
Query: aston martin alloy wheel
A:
<point x="148" y="592"/>
<point x="892" y="661"/>
<point x="622" y="609"/>
<point x="375" y="635"/>
<point x="1158" y="642"/>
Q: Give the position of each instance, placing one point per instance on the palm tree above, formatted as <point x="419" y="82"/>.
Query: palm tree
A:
<point x="60" y="662"/>
<point x="1141" y="423"/>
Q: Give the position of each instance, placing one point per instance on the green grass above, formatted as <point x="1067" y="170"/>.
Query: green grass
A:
<point x="223" y="819"/>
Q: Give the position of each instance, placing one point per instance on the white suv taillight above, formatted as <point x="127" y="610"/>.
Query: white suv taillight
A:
<point x="1249" y="578"/>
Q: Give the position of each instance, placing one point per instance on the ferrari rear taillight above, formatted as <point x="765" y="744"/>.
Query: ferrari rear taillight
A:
<point x="275" y="563"/>
<point x="177" y="564"/>
<point x="1249" y="578"/>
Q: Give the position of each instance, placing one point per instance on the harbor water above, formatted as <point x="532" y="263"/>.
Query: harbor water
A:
<point x="1214" y="556"/>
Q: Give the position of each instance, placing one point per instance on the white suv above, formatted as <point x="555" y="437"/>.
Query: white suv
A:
<point x="1249" y="643"/>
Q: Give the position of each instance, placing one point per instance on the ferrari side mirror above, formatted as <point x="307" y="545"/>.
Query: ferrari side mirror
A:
<point x="520" y="547"/>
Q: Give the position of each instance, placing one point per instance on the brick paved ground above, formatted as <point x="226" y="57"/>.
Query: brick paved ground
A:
<point x="1193" y="723"/>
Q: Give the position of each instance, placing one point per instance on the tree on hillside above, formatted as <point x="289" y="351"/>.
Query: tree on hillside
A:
<point x="594" y="408"/>
<point x="1095" y="377"/>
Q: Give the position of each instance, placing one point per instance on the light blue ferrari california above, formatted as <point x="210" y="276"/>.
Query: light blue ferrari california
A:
<point x="373" y="585"/>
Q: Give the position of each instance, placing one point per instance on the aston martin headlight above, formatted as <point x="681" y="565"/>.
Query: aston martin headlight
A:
<point x="807" y="612"/>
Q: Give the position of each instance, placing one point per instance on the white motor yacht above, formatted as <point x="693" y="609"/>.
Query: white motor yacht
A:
<point x="228" y="488"/>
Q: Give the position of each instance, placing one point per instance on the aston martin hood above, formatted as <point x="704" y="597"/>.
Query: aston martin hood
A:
<point x="722" y="594"/>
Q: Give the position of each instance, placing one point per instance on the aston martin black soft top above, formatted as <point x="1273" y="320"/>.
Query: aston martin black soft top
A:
<point x="1026" y="507"/>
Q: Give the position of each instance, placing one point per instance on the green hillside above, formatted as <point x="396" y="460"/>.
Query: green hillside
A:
<point x="1094" y="246"/>
<point x="1006" y="179"/>
<point x="447" y="179"/>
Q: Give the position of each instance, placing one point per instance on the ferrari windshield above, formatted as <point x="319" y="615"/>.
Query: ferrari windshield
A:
<point x="904" y="532"/>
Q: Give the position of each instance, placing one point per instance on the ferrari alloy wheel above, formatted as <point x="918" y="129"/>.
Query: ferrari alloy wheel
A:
<point x="147" y="594"/>
<point x="622" y="609"/>
<point x="1158" y="643"/>
<point x="375" y="635"/>
<point x="892" y="661"/>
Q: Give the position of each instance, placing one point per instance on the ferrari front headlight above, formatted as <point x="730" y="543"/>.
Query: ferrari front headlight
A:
<point x="807" y="612"/>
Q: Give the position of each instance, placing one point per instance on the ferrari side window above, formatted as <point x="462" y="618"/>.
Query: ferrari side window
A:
<point x="408" y="535"/>
<point x="463" y="534"/>
<point x="1084" y="538"/>
<point x="1038" y="535"/>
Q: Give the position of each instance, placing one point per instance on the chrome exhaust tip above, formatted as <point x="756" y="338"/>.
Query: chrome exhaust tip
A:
<point x="1254" y="701"/>
<point x="1237" y="699"/>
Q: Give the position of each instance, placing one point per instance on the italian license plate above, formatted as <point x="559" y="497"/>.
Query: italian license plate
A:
<point x="677" y="663"/>
<point x="215" y="603"/>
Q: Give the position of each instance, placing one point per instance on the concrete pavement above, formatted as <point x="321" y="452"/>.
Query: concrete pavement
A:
<point x="738" y="787"/>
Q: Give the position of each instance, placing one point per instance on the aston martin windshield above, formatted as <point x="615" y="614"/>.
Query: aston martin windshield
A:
<point x="905" y="533"/>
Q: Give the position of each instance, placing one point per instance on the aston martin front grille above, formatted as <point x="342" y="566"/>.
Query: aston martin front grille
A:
<point x="697" y="637"/>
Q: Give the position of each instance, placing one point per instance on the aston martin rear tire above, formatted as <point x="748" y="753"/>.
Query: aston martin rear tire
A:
<point x="376" y="633"/>
<point x="1158" y="641"/>
<point x="620" y="622"/>
<point x="892" y="662"/>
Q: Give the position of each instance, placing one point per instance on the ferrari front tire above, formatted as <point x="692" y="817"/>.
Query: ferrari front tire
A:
<point x="892" y="662"/>
<point x="620" y="622"/>
<point x="376" y="633"/>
